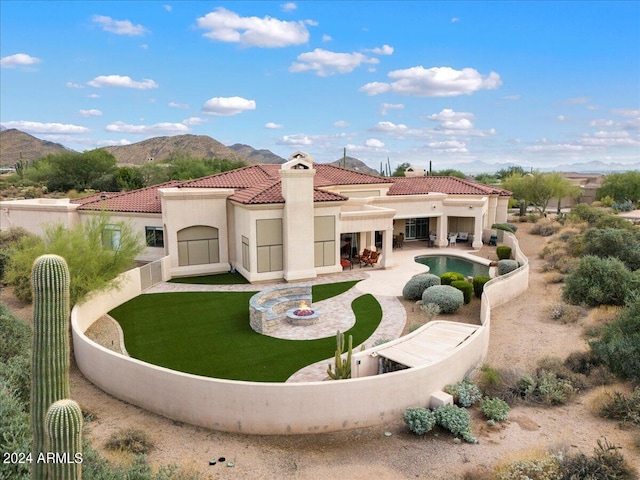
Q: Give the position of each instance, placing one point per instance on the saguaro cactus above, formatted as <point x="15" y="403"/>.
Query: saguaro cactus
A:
<point x="342" y="365"/>
<point x="63" y="425"/>
<point x="50" y="348"/>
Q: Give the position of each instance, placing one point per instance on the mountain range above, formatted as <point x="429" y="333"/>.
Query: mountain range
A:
<point x="16" y="145"/>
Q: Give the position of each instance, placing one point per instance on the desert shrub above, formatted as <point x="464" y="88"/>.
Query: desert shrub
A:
<point x="533" y="217"/>
<point x="586" y="213"/>
<point x="618" y="346"/>
<point x="381" y="341"/>
<point x="622" y="407"/>
<point x="623" y="206"/>
<point x="16" y="374"/>
<point x="457" y="420"/>
<point x="583" y="362"/>
<point x="15" y="432"/>
<point x="419" y="420"/>
<point x="565" y="313"/>
<point x="495" y="409"/>
<point x="415" y="286"/>
<point x="448" y="298"/>
<point x="545" y="467"/>
<point x="562" y="371"/>
<point x="130" y="440"/>
<point x="502" y="383"/>
<point x="554" y="277"/>
<point x="551" y="389"/>
<point x="503" y="252"/>
<point x="614" y="221"/>
<point x="606" y="463"/>
<point x="465" y="393"/>
<point x="430" y="310"/>
<point x="546" y="228"/>
<point x="447" y="277"/>
<point x="506" y="266"/>
<point x="15" y="336"/>
<point x="414" y="326"/>
<point x="465" y="287"/>
<point x="619" y="243"/>
<point x="599" y="281"/>
<point x="478" y="285"/>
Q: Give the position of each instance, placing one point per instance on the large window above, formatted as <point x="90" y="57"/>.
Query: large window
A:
<point x="111" y="236"/>
<point x="198" y="245"/>
<point x="245" y="253"/>
<point x="416" y="228"/>
<point x="269" y="245"/>
<point x="154" y="236"/>
<point x="325" y="241"/>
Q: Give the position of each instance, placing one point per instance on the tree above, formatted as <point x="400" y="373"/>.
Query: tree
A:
<point x="538" y="189"/>
<point x="399" y="171"/>
<point x="449" y="172"/>
<point x="622" y="187"/>
<point x="93" y="263"/>
<point x="486" y="178"/>
<point x="510" y="171"/>
<point x="130" y="178"/>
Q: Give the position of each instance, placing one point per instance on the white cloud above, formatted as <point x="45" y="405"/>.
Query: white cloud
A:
<point x="38" y="127"/>
<point x="156" y="129"/>
<point x="374" y="143"/>
<point x="168" y="8"/>
<point x="451" y="120"/>
<point x="390" y="106"/>
<point x="575" y="101"/>
<point x="561" y="118"/>
<point x="512" y="97"/>
<point x="73" y="85"/>
<point x="391" y="128"/>
<point x="273" y="126"/>
<point x="383" y="50"/>
<point x="93" y="95"/>
<point x="299" y="139"/>
<point x="325" y="63"/>
<point x="17" y="59"/>
<point x="601" y="122"/>
<point x="144" y="46"/>
<point x="434" y="82"/>
<point x="226" y="106"/>
<point x="626" y="112"/>
<point x="193" y="121"/>
<point x="288" y="7"/>
<point x="455" y="20"/>
<point x="183" y="106"/>
<point x="119" y="27"/>
<point x="326" y="38"/>
<point x="121" y="81"/>
<point x="341" y="124"/>
<point x="90" y="113"/>
<point x="449" y="146"/>
<point x="226" y="26"/>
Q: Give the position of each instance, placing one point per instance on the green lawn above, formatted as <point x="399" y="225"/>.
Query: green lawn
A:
<point x="208" y="333"/>
<point x="218" y="279"/>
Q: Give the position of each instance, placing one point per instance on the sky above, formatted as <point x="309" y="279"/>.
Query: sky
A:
<point x="531" y="83"/>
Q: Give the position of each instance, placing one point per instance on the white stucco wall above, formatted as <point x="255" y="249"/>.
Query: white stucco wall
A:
<point x="34" y="214"/>
<point x="276" y="408"/>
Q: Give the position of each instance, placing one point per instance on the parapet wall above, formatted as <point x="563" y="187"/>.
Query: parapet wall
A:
<point x="277" y="408"/>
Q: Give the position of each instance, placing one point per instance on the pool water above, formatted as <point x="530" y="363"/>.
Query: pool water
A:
<point x="439" y="264"/>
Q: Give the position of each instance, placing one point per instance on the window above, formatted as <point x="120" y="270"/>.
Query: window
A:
<point x="198" y="245"/>
<point x="111" y="237"/>
<point x="154" y="236"/>
<point x="325" y="241"/>
<point x="245" y="253"/>
<point x="269" y="245"/>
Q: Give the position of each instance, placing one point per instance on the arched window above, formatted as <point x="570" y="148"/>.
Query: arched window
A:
<point x="198" y="245"/>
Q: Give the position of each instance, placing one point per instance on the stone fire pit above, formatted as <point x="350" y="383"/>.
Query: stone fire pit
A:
<point x="303" y="315"/>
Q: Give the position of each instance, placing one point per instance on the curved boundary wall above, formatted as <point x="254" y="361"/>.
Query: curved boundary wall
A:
<point x="277" y="408"/>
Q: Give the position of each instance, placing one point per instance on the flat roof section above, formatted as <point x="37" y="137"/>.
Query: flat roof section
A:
<point x="433" y="343"/>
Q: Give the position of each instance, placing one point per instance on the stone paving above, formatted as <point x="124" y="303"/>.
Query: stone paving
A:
<point x="384" y="284"/>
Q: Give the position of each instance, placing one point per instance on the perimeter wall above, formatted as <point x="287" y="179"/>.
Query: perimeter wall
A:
<point x="277" y="408"/>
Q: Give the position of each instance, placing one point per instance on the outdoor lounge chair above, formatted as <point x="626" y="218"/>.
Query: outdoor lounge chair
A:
<point x="365" y="254"/>
<point x="372" y="260"/>
<point x="463" y="236"/>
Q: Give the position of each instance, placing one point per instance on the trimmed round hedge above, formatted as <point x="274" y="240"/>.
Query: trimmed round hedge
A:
<point x="447" y="277"/>
<point x="448" y="298"/>
<point x="418" y="284"/>
<point x="465" y="287"/>
<point x="478" y="284"/>
<point x="503" y="252"/>
<point x="506" y="266"/>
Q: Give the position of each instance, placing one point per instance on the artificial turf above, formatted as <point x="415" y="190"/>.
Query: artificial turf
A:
<point x="208" y="333"/>
<point x="217" y="279"/>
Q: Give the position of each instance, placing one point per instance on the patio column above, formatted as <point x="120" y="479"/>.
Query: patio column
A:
<point x="387" y="246"/>
<point x="442" y="226"/>
<point x="477" y="230"/>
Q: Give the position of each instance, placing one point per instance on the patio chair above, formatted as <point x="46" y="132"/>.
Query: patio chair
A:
<point x="372" y="260"/>
<point x="463" y="236"/>
<point x="452" y="239"/>
<point x="365" y="254"/>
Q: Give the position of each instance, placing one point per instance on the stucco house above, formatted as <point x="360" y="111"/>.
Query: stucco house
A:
<point x="293" y="221"/>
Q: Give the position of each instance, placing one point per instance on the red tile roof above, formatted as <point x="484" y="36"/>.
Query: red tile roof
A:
<point x="144" y="200"/>
<point x="260" y="184"/>
<point x="449" y="185"/>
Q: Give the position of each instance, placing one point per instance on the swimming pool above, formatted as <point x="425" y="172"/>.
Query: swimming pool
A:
<point x="439" y="264"/>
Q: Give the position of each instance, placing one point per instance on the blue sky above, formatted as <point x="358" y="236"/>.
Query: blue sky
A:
<point x="529" y="83"/>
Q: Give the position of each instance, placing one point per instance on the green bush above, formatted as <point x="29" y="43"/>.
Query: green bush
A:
<point x="618" y="344"/>
<point x="506" y="266"/>
<point x="495" y="409"/>
<point x="418" y="284"/>
<point x="606" y="463"/>
<point x="503" y="252"/>
<point x="419" y="420"/>
<point x="625" y="408"/>
<point x="130" y="440"/>
<point x="466" y="288"/>
<point x="478" y="285"/>
<point x="507" y="227"/>
<point x="543" y="468"/>
<point x="465" y="393"/>
<point x="447" y="277"/>
<point x="623" y="244"/>
<point x="457" y="420"/>
<point x="448" y="298"/>
<point x="599" y="281"/>
<point x="552" y="390"/>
